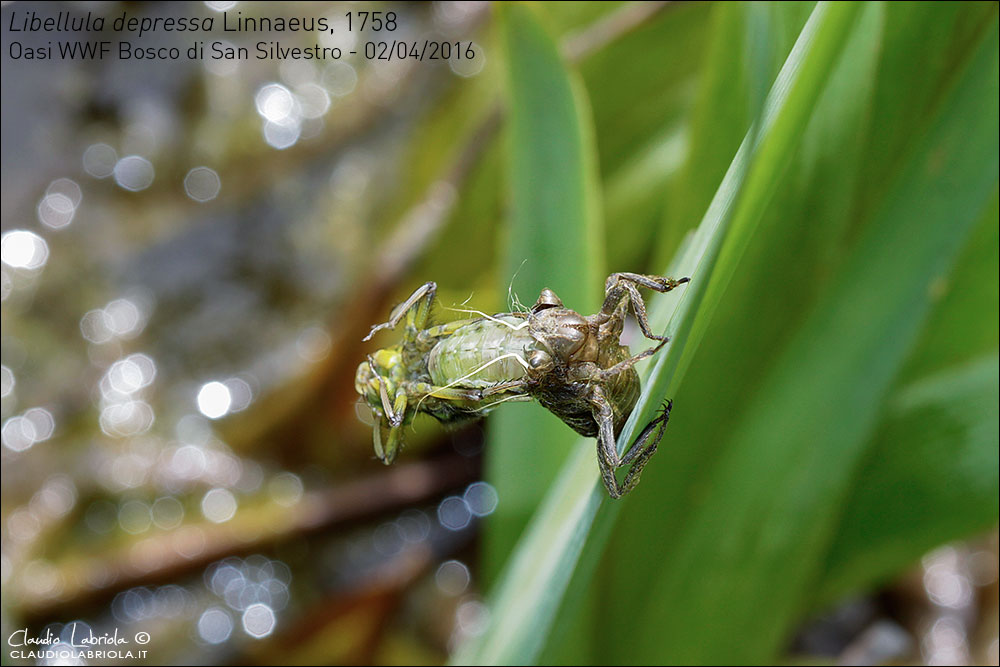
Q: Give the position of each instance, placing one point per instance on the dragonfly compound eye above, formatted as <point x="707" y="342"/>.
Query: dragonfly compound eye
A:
<point x="362" y="378"/>
<point x="540" y="360"/>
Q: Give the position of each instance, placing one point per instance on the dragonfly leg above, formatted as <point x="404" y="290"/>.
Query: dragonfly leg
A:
<point x="393" y="408"/>
<point x="637" y="455"/>
<point x="621" y="287"/>
<point x="607" y="454"/>
<point x="504" y="387"/>
<point x="388" y="432"/>
<point x="607" y="373"/>
<point x="430" y="336"/>
<point x="637" y="451"/>
<point x="468" y="394"/>
<point x="612" y="327"/>
<point x="416" y="309"/>
<point x="446" y="393"/>
<point x="387" y="439"/>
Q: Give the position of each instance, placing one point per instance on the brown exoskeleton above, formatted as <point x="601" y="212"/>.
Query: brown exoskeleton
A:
<point x="573" y="365"/>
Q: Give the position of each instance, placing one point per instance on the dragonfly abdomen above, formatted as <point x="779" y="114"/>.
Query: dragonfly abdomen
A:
<point x="482" y="353"/>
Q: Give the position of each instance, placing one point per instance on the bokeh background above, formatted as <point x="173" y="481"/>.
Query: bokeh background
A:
<point x="192" y="252"/>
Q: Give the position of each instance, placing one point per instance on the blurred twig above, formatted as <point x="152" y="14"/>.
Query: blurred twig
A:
<point x="317" y="511"/>
<point x="612" y="27"/>
<point x="347" y="627"/>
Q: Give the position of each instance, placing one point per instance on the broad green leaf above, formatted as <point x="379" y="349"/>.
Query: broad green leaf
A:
<point x="930" y="474"/>
<point x="966" y="321"/>
<point x="531" y="587"/>
<point x="757" y="532"/>
<point x="923" y="45"/>
<point x="553" y="240"/>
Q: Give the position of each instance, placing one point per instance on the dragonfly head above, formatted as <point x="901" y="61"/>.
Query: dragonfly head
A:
<point x="564" y="336"/>
<point x="375" y="379"/>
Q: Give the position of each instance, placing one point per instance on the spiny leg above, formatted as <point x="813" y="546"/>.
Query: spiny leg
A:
<point x="425" y="390"/>
<point x="640" y="453"/>
<point x="429" y="336"/>
<point x="395" y="408"/>
<point x="658" y="422"/>
<point x="416" y="309"/>
<point x="387" y="434"/>
<point x="458" y="393"/>
<point x="606" y="450"/>
<point x="637" y="455"/>
<point x="607" y="373"/>
<point x="622" y="286"/>
<point x="504" y="387"/>
<point x="388" y="431"/>
<point x="613" y="326"/>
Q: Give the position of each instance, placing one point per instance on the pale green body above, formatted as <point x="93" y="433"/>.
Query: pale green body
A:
<point x="481" y="354"/>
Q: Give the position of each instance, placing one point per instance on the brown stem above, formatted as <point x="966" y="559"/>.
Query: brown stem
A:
<point x="318" y="511"/>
